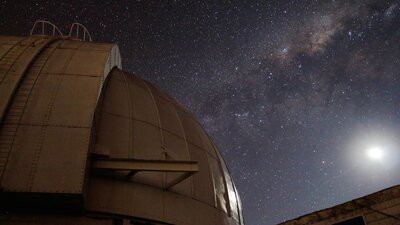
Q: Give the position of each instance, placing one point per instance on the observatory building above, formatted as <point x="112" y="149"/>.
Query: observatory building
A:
<point x="380" y="208"/>
<point x="84" y="143"/>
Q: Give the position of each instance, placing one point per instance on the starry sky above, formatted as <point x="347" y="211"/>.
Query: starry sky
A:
<point x="295" y="93"/>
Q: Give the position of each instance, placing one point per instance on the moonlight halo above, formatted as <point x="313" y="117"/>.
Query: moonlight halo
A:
<point x="375" y="153"/>
<point x="372" y="151"/>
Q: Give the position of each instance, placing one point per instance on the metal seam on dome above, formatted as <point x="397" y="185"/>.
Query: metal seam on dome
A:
<point x="23" y="109"/>
<point x="187" y="147"/>
<point x="165" y="130"/>
<point x="109" y="65"/>
<point x="158" y="117"/>
<point x="73" y="74"/>
<point x="91" y="121"/>
<point x="130" y="108"/>
<point x="6" y="74"/>
<point x="3" y="75"/>
<point x="12" y="47"/>
<point x="44" y="129"/>
<point x="46" y="125"/>
<point x="162" y="137"/>
<point x="99" y="108"/>
<point x="204" y="150"/>
<point x="85" y="49"/>
<point x="38" y="54"/>
<point x="3" y="167"/>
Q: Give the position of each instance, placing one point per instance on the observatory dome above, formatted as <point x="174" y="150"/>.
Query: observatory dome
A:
<point x="83" y="142"/>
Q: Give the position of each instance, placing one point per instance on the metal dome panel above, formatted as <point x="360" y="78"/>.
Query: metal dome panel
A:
<point x="76" y="126"/>
<point x="50" y="92"/>
<point x="137" y="121"/>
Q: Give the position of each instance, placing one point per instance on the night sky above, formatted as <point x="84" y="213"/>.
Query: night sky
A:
<point x="302" y="97"/>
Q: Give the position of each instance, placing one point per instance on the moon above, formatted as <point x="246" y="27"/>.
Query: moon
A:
<point x="375" y="153"/>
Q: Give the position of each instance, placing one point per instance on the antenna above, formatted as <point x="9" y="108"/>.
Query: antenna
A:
<point x="43" y="23"/>
<point x="74" y="30"/>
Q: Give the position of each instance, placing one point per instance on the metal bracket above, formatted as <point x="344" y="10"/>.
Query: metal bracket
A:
<point x="187" y="168"/>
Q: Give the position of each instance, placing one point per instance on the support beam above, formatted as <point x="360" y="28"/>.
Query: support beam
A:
<point x="178" y="180"/>
<point x="146" y="165"/>
<point x="188" y="168"/>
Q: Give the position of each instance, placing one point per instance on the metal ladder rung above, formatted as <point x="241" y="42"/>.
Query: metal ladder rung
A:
<point x="21" y="102"/>
<point x="3" y="144"/>
<point x="8" y="129"/>
<point x="24" y="91"/>
<point x="16" y="107"/>
<point x="3" y="159"/>
<point x="14" y="120"/>
<point x="29" y="78"/>
<point x="15" y="111"/>
<point x="24" y="88"/>
<point x="11" y="115"/>
<point x="19" y="99"/>
<point x="6" y="138"/>
<point x="4" y="147"/>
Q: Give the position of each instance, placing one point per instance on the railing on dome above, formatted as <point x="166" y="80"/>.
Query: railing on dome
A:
<point x="76" y="27"/>
<point x="43" y="30"/>
<point x="77" y="30"/>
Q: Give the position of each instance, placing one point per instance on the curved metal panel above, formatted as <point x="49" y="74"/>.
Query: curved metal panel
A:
<point x="10" y="79"/>
<point x="54" y="107"/>
<point x="70" y="102"/>
<point x="138" y="121"/>
<point x="7" y="43"/>
<point x="13" y="66"/>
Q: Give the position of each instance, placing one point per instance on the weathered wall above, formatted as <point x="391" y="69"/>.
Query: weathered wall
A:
<point x="380" y="208"/>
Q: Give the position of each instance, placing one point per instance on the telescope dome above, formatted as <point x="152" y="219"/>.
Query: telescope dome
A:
<point x="83" y="141"/>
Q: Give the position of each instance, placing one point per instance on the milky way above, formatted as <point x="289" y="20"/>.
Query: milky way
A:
<point x="285" y="88"/>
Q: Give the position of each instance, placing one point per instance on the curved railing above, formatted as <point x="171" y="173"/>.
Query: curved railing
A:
<point x="55" y="30"/>
<point x="77" y="30"/>
<point x="74" y="32"/>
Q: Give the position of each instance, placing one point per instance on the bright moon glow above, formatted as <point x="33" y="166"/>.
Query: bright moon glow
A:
<point x="375" y="153"/>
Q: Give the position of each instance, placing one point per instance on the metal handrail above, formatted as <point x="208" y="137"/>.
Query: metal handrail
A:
<point x="73" y="32"/>
<point x="44" y="22"/>
<point x="85" y="31"/>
